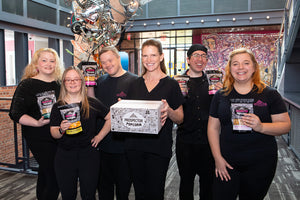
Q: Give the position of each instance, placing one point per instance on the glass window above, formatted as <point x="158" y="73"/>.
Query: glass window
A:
<point x="267" y="4"/>
<point x="162" y="8"/>
<point x="13" y="6"/>
<point x="63" y="18"/>
<point x="169" y="56"/>
<point x="173" y="33"/>
<point x="223" y="6"/>
<point x="36" y="42"/>
<point x="163" y="34"/>
<point x="37" y="11"/>
<point x="65" y="4"/>
<point x="52" y="1"/>
<point x="148" y="34"/>
<point x="195" y="7"/>
<point x="181" y="65"/>
<point x="10" y="65"/>
<point x="141" y="14"/>
<point x="180" y="32"/>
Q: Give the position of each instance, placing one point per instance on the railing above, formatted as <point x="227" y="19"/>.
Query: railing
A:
<point x="24" y="163"/>
<point x="286" y="42"/>
<point x="293" y="137"/>
<point x="287" y="36"/>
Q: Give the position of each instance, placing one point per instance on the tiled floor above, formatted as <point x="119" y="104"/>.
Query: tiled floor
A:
<point x="285" y="186"/>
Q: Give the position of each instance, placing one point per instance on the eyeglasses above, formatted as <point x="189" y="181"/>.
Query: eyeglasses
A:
<point x="76" y="80"/>
<point x="197" y="55"/>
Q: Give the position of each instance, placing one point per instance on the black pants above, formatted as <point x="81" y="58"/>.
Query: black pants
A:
<point x="82" y="164"/>
<point x="148" y="174"/>
<point x="44" y="153"/>
<point x="248" y="182"/>
<point x="192" y="160"/>
<point x="114" y="175"/>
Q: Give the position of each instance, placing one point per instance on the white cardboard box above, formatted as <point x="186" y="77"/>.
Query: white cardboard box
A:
<point x="136" y="116"/>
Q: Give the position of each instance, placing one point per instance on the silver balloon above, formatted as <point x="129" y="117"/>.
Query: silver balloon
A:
<point x="99" y="22"/>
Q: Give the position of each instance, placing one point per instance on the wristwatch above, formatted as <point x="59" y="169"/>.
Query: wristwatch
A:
<point x="61" y="131"/>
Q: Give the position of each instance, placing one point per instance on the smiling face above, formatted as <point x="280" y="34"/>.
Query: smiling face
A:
<point x="46" y="63"/>
<point x="72" y="82"/>
<point x="151" y="58"/>
<point x="111" y="64"/>
<point x="197" y="61"/>
<point x="242" y="68"/>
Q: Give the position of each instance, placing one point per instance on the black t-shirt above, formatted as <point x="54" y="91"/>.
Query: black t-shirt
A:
<point x="89" y="126"/>
<point x="160" y="144"/>
<point x="25" y="102"/>
<point x="196" y="110"/>
<point x="108" y="90"/>
<point x="247" y="148"/>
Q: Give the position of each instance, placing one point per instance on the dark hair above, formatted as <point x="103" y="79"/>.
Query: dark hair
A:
<point x="158" y="45"/>
<point x="196" y="47"/>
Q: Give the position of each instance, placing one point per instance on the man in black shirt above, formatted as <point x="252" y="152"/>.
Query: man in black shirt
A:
<point x="193" y="153"/>
<point x="114" y="171"/>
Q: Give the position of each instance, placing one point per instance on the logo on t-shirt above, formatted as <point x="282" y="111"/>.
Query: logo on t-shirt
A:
<point x="122" y="94"/>
<point x="260" y="103"/>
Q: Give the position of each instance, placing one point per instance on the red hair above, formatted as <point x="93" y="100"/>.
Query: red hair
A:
<point x="229" y="80"/>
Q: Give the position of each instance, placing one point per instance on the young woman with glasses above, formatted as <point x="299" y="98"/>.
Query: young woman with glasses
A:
<point x="74" y="123"/>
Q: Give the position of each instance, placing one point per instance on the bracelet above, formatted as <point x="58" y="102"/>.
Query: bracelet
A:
<point x="61" y="131"/>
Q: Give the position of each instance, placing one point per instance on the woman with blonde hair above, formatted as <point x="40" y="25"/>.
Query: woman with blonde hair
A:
<point x="31" y="106"/>
<point x="74" y="123"/>
<point x="245" y="116"/>
<point x="32" y="70"/>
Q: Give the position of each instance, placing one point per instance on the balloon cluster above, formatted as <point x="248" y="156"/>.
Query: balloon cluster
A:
<point x="100" y="23"/>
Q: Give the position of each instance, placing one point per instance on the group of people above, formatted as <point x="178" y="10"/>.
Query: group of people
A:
<point x="73" y="140"/>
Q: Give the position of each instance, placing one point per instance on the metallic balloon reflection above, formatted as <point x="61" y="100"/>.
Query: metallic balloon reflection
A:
<point x="99" y="23"/>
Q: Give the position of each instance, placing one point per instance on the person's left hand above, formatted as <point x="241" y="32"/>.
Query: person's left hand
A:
<point x="95" y="141"/>
<point x="164" y="112"/>
<point x="251" y="120"/>
<point x="218" y="85"/>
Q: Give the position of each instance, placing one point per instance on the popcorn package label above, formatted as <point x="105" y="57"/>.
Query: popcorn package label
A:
<point x="71" y="112"/>
<point x="45" y="101"/>
<point x="183" y="83"/>
<point x="136" y="116"/>
<point x="239" y="107"/>
<point x="213" y="76"/>
<point x="89" y="71"/>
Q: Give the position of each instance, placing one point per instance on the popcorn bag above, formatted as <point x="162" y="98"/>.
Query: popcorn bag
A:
<point x="71" y="112"/>
<point x="45" y="101"/>
<point x="213" y="76"/>
<point x="239" y="107"/>
<point x="182" y="81"/>
<point x="89" y="72"/>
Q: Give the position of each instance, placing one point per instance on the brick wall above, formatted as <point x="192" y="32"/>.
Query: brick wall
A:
<point x="7" y="141"/>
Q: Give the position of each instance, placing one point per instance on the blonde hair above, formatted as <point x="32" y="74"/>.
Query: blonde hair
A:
<point x="229" y="80"/>
<point x="158" y="45"/>
<point x="85" y="106"/>
<point x="31" y="70"/>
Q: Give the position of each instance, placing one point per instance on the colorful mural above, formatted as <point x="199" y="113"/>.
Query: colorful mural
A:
<point x="263" y="46"/>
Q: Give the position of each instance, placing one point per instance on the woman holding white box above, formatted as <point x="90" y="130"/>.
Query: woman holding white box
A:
<point x="149" y="154"/>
